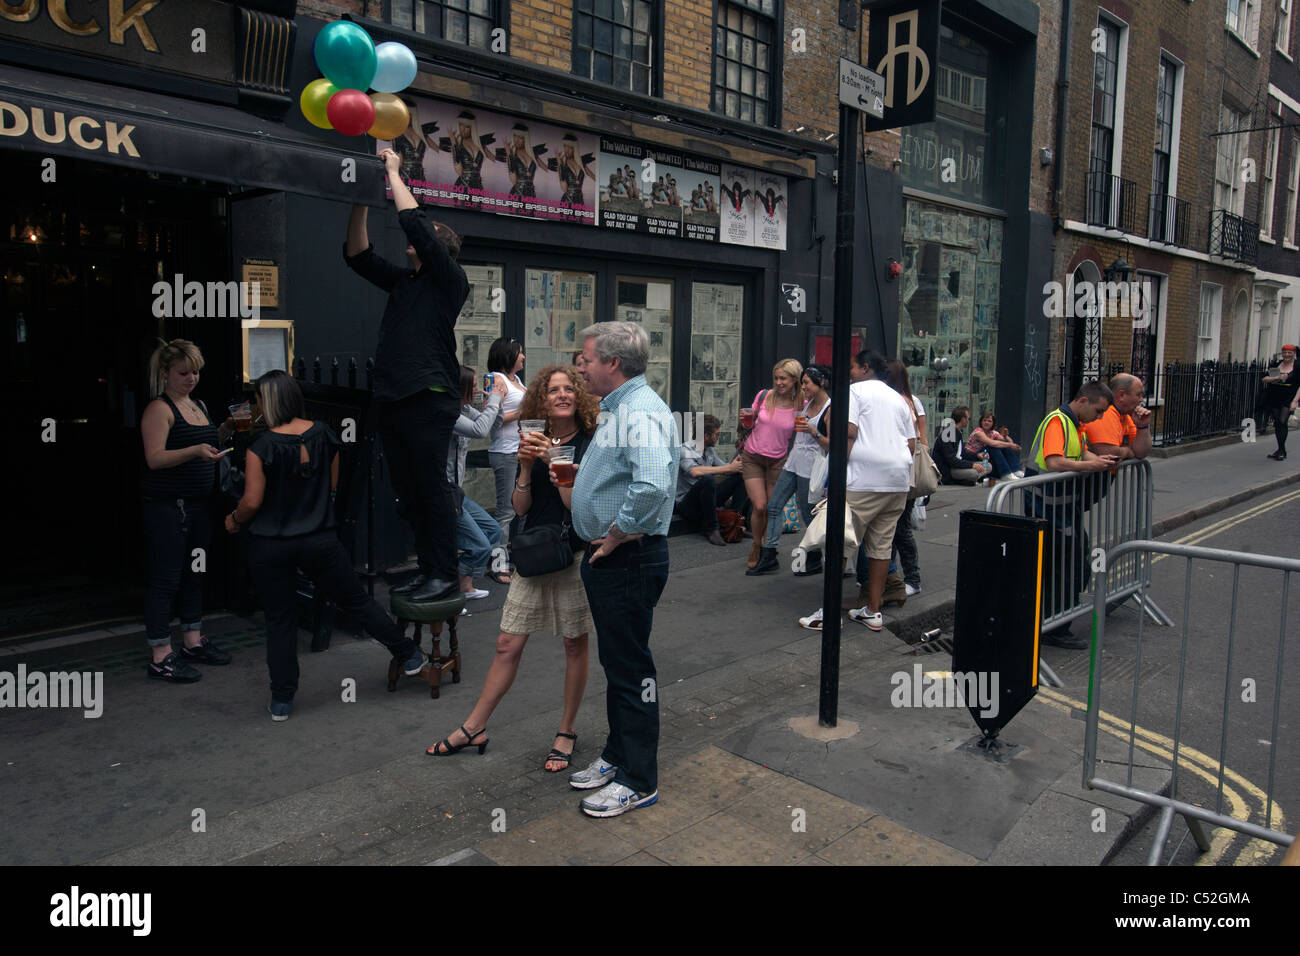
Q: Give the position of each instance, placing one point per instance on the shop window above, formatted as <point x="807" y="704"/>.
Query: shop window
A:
<point x="717" y="314"/>
<point x="470" y="22"/>
<point x="951" y="286"/>
<point x="649" y="303"/>
<point x="557" y="306"/>
<point x="614" y="42"/>
<point x="744" y="60"/>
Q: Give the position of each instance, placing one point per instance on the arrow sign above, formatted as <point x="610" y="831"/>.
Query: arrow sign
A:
<point x="862" y="89"/>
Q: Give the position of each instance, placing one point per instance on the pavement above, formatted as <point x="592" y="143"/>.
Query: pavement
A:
<point x="200" y="775"/>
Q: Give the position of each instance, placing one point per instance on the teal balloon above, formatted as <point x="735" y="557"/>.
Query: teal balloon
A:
<point x="396" y="67"/>
<point x="346" y="55"/>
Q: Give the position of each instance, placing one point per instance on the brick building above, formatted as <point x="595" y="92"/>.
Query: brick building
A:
<point x="1187" y="217"/>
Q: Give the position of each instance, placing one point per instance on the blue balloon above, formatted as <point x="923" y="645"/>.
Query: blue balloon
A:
<point x="395" y="67"/>
<point x="346" y="55"/>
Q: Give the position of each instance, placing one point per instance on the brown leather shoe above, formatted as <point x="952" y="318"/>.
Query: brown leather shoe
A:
<point x="715" y="537"/>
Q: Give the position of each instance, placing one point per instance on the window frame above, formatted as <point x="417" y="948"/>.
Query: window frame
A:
<point x="500" y="19"/>
<point x="776" y="70"/>
<point x="1268" y="177"/>
<point x="1247" y="32"/>
<point x="1282" y="28"/>
<point x="1292" y="188"/>
<point x="656" y="65"/>
<point x="1240" y="150"/>
<point x="1116" y="129"/>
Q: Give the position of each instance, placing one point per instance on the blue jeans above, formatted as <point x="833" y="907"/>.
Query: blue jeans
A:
<point x="786" y="485"/>
<point x="505" y="469"/>
<point x="623" y="589"/>
<point x="477" y="533"/>
<point x="1003" y="460"/>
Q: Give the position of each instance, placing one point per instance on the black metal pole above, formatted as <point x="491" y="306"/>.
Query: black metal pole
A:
<point x="841" y="345"/>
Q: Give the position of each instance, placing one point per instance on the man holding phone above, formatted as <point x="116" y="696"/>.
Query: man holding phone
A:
<point x="417" y="375"/>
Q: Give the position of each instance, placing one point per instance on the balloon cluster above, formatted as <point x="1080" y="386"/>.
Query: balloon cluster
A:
<point x="352" y="64"/>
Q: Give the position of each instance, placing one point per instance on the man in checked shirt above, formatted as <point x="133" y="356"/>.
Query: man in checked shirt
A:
<point x="623" y="504"/>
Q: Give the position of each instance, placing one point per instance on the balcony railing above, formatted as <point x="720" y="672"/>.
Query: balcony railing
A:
<point x="1112" y="202"/>
<point x="1173" y="221"/>
<point x="1233" y="237"/>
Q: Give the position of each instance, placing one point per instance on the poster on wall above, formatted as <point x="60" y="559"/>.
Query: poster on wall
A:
<point x="770" y="211"/>
<point x="477" y="159"/>
<point x="657" y="192"/>
<point x="700" y="197"/>
<point x="737" y="189"/>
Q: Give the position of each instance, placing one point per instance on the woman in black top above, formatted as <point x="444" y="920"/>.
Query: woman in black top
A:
<point x="1281" y="397"/>
<point x="290" y="474"/>
<point x="555" y="602"/>
<point x="180" y="450"/>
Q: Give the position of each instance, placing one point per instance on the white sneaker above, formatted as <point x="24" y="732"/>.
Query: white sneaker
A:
<point x="867" y="618"/>
<point x="615" y="799"/>
<point x="475" y="594"/>
<point x="813" y="621"/>
<point x="912" y="590"/>
<point x="597" y="775"/>
<point x="1017" y="474"/>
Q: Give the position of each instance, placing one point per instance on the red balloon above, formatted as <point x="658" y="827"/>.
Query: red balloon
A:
<point x="351" y="112"/>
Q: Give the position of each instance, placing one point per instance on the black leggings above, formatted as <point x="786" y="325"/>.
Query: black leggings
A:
<point x="1279" y="414"/>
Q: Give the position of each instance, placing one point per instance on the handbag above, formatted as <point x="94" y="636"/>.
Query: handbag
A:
<point x="820" y="475"/>
<point x="919" y="514"/>
<point x="815" y="537"/>
<point x="542" y="550"/>
<point x="925" y="473"/>
<point x="731" y="525"/>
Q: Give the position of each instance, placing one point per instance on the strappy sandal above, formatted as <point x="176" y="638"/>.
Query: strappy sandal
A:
<point x="451" y="748"/>
<point x="556" y="755"/>
<point x="501" y="577"/>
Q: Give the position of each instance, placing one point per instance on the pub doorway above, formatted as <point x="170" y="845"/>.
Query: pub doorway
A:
<point x="79" y="258"/>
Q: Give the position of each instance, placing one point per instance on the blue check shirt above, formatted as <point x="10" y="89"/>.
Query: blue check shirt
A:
<point x="628" y="474"/>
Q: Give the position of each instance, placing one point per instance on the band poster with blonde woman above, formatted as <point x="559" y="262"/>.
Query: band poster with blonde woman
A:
<point x="454" y="155"/>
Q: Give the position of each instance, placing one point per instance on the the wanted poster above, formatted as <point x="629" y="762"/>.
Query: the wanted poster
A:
<point x="701" y="200"/>
<point x="477" y="318"/>
<point x="770" y="210"/>
<point x="454" y="156"/>
<point x="737" y="188"/>
<point x="622" y="185"/>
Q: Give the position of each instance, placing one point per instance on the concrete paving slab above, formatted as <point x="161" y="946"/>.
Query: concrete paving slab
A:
<point x="882" y="842"/>
<point x="722" y="840"/>
<point x="561" y="839"/>
<point x="798" y="815"/>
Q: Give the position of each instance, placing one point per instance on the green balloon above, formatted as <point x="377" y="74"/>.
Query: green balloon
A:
<point x="346" y="55"/>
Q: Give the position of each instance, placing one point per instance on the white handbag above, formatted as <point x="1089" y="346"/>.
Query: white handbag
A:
<point x="817" y="480"/>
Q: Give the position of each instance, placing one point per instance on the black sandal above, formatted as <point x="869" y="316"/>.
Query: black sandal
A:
<point x="457" y="748"/>
<point x="556" y="755"/>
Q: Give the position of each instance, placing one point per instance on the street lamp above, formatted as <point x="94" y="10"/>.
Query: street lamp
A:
<point x="1118" y="271"/>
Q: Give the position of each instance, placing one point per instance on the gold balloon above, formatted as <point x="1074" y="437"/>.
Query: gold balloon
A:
<point x="391" y="116"/>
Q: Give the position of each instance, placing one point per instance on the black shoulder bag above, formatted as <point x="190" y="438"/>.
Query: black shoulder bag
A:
<point x="543" y="550"/>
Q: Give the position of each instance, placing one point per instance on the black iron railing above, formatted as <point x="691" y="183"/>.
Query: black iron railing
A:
<point x="1233" y="237"/>
<point x="1203" y="400"/>
<point x="1112" y="202"/>
<point x="1173" y="221"/>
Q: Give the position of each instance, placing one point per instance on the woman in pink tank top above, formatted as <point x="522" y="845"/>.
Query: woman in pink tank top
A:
<point x="765" y="447"/>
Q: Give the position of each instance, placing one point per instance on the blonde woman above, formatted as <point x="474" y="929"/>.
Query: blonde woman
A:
<point x="180" y="452"/>
<point x="768" y="443"/>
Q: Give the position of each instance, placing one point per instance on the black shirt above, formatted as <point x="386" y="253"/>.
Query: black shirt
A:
<point x="297" y="499"/>
<point x="1277" y="394"/>
<point x="189" y="479"/>
<point x="417" y="344"/>
<point x="548" y="506"/>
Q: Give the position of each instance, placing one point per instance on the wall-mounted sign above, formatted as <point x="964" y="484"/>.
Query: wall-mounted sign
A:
<point x="189" y="37"/>
<point x="903" y="47"/>
<point x="266" y="273"/>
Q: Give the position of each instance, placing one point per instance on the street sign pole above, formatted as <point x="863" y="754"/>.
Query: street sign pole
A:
<point x="841" y="346"/>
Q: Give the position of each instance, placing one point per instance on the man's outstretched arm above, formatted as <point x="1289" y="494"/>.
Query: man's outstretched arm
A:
<point x="358" y="238"/>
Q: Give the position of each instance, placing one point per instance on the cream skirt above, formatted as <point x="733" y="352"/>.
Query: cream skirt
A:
<point x="551" y="602"/>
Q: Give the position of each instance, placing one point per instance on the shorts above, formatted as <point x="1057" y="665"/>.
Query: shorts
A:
<point x="875" y="516"/>
<point x="760" y="466"/>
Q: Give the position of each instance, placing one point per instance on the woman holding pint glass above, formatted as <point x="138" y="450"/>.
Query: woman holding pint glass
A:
<point x="180" y="452"/>
<point x="770" y="421"/>
<point x="560" y="416"/>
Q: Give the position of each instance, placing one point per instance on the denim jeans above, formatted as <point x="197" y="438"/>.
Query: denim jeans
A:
<point x="623" y="589"/>
<point x="477" y="533"/>
<point x="505" y="469"/>
<point x="274" y="563"/>
<point x="786" y="485"/>
<point x="173" y="528"/>
<point x="1003" y="460"/>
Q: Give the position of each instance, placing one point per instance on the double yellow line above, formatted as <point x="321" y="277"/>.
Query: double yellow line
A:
<point x="1209" y="531"/>
<point x="1189" y="758"/>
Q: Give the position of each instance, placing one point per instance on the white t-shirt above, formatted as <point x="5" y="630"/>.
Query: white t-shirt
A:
<point x="505" y="436"/>
<point x="880" y="459"/>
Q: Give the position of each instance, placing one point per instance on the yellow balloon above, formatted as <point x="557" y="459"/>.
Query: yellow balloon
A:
<point x="391" y="116"/>
<point x="315" y="98"/>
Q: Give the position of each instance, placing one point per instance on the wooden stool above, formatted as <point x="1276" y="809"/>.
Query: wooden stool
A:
<point x="432" y="613"/>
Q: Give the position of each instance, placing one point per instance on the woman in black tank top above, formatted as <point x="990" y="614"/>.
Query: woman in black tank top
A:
<point x="180" y="457"/>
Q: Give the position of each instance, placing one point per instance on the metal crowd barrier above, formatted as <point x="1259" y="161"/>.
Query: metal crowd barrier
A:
<point x="1086" y="511"/>
<point x="1170" y="804"/>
